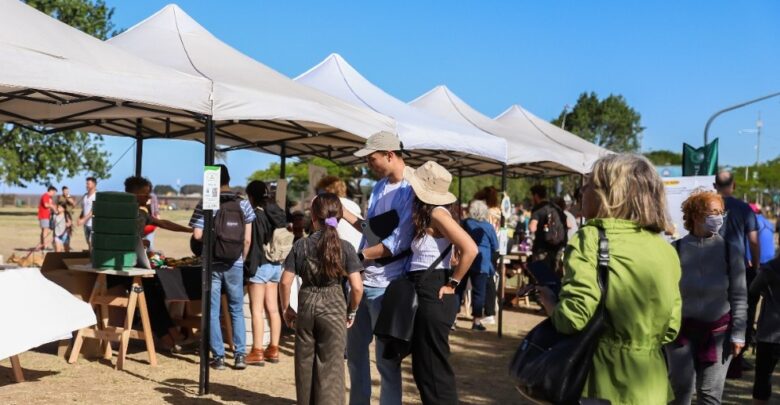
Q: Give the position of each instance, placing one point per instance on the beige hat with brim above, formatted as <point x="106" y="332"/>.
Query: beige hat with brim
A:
<point x="431" y="183"/>
<point x="380" y="142"/>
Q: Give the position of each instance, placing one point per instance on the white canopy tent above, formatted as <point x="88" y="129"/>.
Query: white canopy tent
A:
<point x="253" y="105"/>
<point x="54" y="77"/>
<point x="427" y="137"/>
<point x="525" y="149"/>
<point x="521" y="119"/>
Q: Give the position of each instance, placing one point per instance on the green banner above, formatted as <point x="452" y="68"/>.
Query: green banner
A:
<point x="700" y="161"/>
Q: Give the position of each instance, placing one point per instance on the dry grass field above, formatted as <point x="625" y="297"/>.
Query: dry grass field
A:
<point x="479" y="358"/>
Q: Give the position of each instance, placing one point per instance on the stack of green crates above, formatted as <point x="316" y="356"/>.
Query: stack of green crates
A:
<point x="115" y="230"/>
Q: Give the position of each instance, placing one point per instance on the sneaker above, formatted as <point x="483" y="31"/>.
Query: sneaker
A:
<point x="479" y="327"/>
<point x="488" y="320"/>
<point x="218" y="363"/>
<point x="240" y="361"/>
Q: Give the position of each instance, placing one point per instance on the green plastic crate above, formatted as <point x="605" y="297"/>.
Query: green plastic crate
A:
<point x="105" y="209"/>
<point x="107" y="241"/>
<point x="115" y="197"/>
<point x="115" y="226"/>
<point x="113" y="259"/>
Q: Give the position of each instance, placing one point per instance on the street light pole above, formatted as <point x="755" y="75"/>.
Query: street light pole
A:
<point x="734" y="107"/>
<point x="759" y="125"/>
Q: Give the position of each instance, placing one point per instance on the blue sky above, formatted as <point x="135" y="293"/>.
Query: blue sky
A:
<point x="676" y="62"/>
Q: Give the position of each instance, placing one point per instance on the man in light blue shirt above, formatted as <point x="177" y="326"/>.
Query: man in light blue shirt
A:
<point x="383" y="263"/>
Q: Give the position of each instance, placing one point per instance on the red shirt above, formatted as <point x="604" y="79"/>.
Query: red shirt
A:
<point x="44" y="212"/>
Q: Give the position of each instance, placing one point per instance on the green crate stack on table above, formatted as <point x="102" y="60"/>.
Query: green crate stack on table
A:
<point x="115" y="231"/>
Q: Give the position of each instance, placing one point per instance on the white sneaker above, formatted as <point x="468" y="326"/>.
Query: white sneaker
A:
<point x="488" y="320"/>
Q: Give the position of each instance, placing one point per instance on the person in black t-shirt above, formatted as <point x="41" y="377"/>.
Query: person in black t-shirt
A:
<point x="546" y="218"/>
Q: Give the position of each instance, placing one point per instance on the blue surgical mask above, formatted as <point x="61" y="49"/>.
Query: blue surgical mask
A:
<point x="713" y="223"/>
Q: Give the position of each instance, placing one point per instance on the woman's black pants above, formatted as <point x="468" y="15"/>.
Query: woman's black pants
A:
<point x="430" y="342"/>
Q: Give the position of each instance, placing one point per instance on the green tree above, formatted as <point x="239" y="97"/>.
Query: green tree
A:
<point x="297" y="174"/>
<point x="610" y="123"/>
<point x="164" y="189"/>
<point x="664" y="157"/>
<point x="27" y="156"/>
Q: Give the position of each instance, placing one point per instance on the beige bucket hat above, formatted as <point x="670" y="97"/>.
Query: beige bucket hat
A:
<point x="380" y="142"/>
<point x="431" y="183"/>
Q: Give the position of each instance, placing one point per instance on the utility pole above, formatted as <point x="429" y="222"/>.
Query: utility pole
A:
<point x="759" y="125"/>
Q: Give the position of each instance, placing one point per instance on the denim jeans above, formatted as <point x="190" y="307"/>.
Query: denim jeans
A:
<point x="478" y="290"/>
<point x="359" y="338"/>
<point x="233" y="282"/>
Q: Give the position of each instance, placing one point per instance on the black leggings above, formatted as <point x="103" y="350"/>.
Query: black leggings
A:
<point x="767" y="355"/>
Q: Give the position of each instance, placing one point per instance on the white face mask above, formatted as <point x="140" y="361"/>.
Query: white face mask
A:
<point x="713" y="223"/>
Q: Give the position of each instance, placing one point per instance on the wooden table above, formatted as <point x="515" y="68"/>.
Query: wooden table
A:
<point x="101" y="299"/>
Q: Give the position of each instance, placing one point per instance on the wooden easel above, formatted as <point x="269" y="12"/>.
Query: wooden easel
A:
<point x="101" y="300"/>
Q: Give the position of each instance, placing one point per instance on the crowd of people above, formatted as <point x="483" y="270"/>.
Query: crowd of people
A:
<point x="680" y="316"/>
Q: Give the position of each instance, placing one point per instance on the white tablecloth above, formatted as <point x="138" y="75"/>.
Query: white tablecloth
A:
<point x="34" y="311"/>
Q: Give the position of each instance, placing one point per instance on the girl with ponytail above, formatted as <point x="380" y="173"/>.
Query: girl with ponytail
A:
<point x="322" y="318"/>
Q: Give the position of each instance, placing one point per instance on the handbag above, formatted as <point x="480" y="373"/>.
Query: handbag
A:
<point x="553" y="367"/>
<point x="395" y="323"/>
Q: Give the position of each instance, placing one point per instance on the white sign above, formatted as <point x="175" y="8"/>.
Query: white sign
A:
<point x="677" y="190"/>
<point x="210" y="193"/>
<point x="503" y="241"/>
<point x="506" y="206"/>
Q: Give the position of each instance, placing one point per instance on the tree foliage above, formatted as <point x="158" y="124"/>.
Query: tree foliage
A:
<point x="27" y="156"/>
<point x="610" y="123"/>
<point x="164" y="189"/>
<point x="664" y="157"/>
<point x="297" y="174"/>
<point x="189" y="189"/>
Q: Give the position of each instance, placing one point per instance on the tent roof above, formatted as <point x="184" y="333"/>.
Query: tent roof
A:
<point x="523" y="120"/>
<point x="525" y="149"/>
<point x="427" y="136"/>
<point x="252" y="103"/>
<point x="53" y="76"/>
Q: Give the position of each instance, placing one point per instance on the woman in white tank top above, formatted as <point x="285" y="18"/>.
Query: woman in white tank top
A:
<point x="435" y="230"/>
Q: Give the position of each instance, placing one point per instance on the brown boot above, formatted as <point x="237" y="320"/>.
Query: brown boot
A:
<point x="255" y="357"/>
<point x="272" y="354"/>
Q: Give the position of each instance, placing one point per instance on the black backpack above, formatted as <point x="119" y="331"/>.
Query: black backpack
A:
<point x="229" y="230"/>
<point x="555" y="233"/>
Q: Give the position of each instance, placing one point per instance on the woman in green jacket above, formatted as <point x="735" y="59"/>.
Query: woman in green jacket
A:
<point x="625" y="196"/>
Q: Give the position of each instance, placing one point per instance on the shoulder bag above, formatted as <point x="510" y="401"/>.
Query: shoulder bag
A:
<point x="553" y="367"/>
<point x="395" y="323"/>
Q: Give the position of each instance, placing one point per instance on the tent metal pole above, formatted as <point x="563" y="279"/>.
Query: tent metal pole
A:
<point x="502" y="265"/>
<point x="139" y="146"/>
<point x="460" y="187"/>
<point x="283" y="161"/>
<point x="208" y="241"/>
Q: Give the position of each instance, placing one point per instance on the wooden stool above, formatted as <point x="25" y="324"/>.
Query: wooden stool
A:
<point x="192" y="322"/>
<point x="101" y="300"/>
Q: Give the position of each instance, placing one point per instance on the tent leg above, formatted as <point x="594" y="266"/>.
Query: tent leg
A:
<point x="208" y="241"/>
<point x="460" y="187"/>
<point x="139" y="146"/>
<point x="283" y="162"/>
<point x="502" y="279"/>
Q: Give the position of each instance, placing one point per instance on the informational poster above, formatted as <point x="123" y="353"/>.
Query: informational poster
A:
<point x="677" y="190"/>
<point x="281" y="193"/>
<point x="210" y="193"/>
<point x="316" y="173"/>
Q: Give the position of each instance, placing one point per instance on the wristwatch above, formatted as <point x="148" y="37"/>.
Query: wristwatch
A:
<point x="453" y="283"/>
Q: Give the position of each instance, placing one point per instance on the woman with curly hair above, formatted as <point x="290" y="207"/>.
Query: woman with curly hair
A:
<point x="714" y="304"/>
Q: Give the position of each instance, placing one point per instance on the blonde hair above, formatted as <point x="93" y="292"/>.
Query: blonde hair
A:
<point x="697" y="204"/>
<point x="333" y="184"/>
<point x="478" y="210"/>
<point x="628" y="187"/>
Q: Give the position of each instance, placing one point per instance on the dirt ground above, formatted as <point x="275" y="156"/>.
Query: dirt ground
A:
<point x="479" y="359"/>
